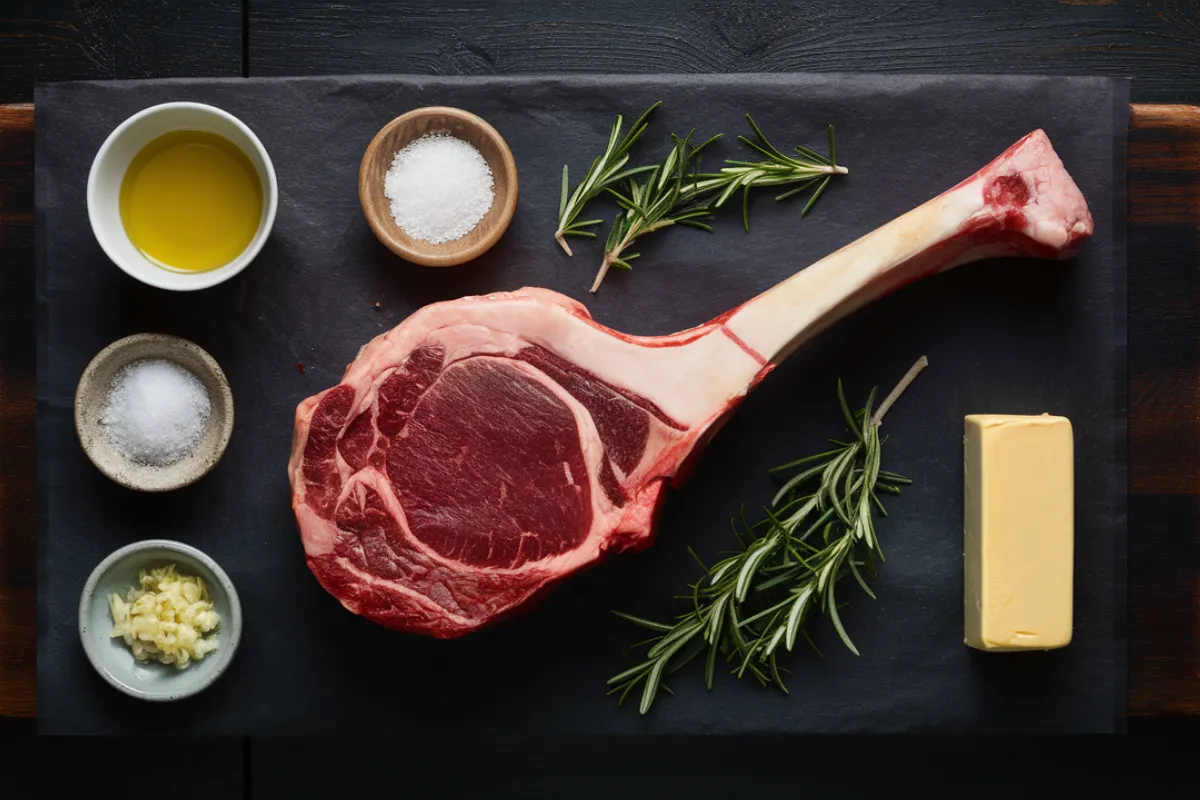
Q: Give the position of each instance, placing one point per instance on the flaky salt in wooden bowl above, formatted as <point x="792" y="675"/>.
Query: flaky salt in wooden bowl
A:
<point x="410" y="127"/>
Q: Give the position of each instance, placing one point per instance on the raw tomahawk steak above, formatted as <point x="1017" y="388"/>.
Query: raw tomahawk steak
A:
<point x="488" y="447"/>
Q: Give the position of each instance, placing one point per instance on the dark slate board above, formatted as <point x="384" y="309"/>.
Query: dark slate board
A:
<point x="1002" y="336"/>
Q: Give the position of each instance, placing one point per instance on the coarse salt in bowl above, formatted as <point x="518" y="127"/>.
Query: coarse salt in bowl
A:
<point x="156" y="411"/>
<point x="439" y="188"/>
<point x="380" y="157"/>
<point x="92" y="401"/>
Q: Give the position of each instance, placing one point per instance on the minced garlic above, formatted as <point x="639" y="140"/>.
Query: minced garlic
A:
<point x="167" y="619"/>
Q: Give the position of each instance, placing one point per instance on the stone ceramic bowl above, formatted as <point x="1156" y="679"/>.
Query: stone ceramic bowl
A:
<point x="93" y="390"/>
<point x="113" y="659"/>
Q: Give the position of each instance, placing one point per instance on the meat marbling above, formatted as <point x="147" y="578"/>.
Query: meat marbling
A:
<point x="488" y="447"/>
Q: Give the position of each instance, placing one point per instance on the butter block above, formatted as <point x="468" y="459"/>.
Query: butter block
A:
<point x="1019" y="532"/>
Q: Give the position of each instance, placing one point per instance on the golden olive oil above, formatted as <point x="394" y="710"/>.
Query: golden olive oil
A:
<point x="191" y="201"/>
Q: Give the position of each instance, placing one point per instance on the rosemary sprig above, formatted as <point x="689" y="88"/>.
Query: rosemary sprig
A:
<point x="677" y="192"/>
<point x="606" y="170"/>
<point x="807" y="169"/>
<point x="657" y="200"/>
<point x="820" y="528"/>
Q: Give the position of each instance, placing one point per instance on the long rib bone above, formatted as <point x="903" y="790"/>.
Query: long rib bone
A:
<point x="1023" y="203"/>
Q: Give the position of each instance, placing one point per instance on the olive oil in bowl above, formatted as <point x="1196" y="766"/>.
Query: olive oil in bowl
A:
<point x="191" y="201"/>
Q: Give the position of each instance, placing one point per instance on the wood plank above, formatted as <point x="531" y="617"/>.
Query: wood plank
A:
<point x="1164" y="160"/>
<point x="55" y="40"/>
<point x="1164" y="299"/>
<point x="1155" y="41"/>
<point x="1164" y="607"/>
<point x="1164" y="422"/>
<point x="1164" y="411"/>
<point x="18" y="518"/>
<point x="713" y="765"/>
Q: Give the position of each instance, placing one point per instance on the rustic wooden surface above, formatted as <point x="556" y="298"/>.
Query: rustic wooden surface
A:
<point x="1164" y="414"/>
<point x="100" y="39"/>
<point x="18" y="570"/>
<point x="1157" y="42"/>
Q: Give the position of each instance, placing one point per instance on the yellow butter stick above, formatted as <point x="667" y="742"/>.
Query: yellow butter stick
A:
<point x="1019" y="532"/>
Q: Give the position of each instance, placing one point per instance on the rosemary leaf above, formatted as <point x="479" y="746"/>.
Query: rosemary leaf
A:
<point x="675" y="192"/>
<point x="657" y="199"/>
<point x="806" y="169"/>
<point x="605" y="171"/>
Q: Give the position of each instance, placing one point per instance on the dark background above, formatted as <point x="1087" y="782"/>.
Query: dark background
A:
<point x="1157" y="42"/>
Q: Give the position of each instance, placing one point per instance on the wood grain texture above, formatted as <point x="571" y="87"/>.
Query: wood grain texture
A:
<point x="1164" y="299"/>
<point x="1164" y="412"/>
<point x="1155" y="41"/>
<point x="18" y="523"/>
<point x="55" y="40"/>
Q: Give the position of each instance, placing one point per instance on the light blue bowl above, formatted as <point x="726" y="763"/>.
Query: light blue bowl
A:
<point x="112" y="658"/>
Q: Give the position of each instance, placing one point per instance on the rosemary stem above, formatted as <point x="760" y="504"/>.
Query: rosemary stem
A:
<point x="562" y="240"/>
<point x="604" y="265"/>
<point x="894" y="395"/>
<point x="636" y="230"/>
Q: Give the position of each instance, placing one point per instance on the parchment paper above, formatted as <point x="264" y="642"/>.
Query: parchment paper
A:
<point x="1002" y="336"/>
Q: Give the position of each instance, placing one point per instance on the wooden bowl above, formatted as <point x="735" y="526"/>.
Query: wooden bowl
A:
<point x="407" y="128"/>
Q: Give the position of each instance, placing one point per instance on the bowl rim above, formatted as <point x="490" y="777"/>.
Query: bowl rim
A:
<point x="196" y="280"/>
<point x="226" y="395"/>
<point x="87" y="597"/>
<point x="384" y="232"/>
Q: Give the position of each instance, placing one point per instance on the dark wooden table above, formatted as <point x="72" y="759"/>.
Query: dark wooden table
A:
<point x="1156" y="42"/>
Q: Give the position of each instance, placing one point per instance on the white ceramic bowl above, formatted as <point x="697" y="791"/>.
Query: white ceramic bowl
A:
<point x="113" y="659"/>
<point x="113" y="159"/>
